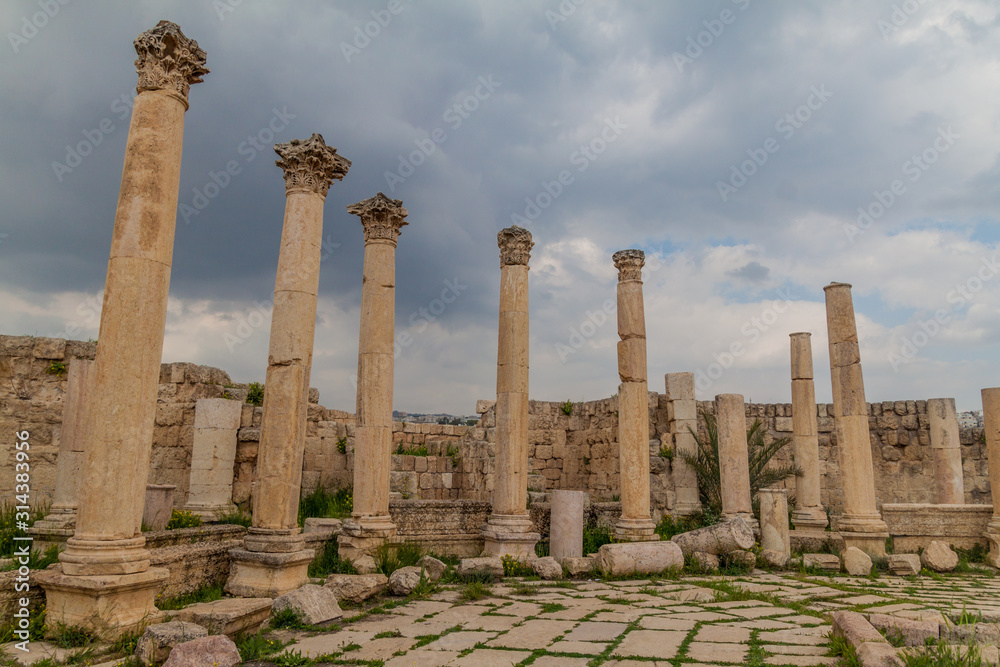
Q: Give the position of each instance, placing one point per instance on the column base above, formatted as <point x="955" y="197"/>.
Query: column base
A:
<point x="209" y="513"/>
<point x="686" y="509"/>
<point x="44" y="535"/>
<point x="360" y="536"/>
<point x="109" y="605"/>
<point x="510" y="535"/>
<point x="992" y="536"/>
<point x="810" y="518"/>
<point x="94" y="558"/>
<point x="635" y="530"/>
<point x="867" y="532"/>
<point x="257" y="574"/>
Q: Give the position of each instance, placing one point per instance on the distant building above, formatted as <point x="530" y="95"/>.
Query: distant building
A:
<point x="971" y="419"/>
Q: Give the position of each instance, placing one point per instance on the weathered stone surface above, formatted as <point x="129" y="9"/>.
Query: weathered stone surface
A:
<point x="913" y="633"/>
<point x="742" y="558"/>
<point x="706" y="561"/>
<point x="639" y="557"/>
<point x="328" y="528"/>
<point x="828" y="562"/>
<point x="484" y="565"/>
<point x="579" y="567"/>
<point x="365" y="564"/>
<point x="156" y="641"/>
<point x="774" y="559"/>
<point x="357" y="587"/>
<point x="213" y="651"/>
<point x="404" y="580"/>
<point x="939" y="557"/>
<point x="229" y="616"/>
<point x="433" y="568"/>
<point x="732" y="535"/>
<point x="856" y="562"/>
<point x="316" y="605"/>
<point x="547" y="568"/>
<point x="904" y="564"/>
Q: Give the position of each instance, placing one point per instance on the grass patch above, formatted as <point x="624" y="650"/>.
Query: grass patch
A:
<point x="515" y="567"/>
<point x="843" y="649"/>
<point x="391" y="557"/>
<point x="287" y="619"/>
<point x="942" y="654"/>
<point x="594" y="537"/>
<point x="206" y="594"/>
<point x="670" y="526"/>
<point x="553" y="607"/>
<point x="475" y="590"/>
<point x="326" y="503"/>
<point x="257" y="646"/>
<point x="70" y="636"/>
<point x="328" y="561"/>
<point x="236" y="517"/>
<point x="182" y="519"/>
<point x="9" y="518"/>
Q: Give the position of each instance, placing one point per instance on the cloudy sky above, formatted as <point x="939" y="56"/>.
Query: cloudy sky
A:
<point x="756" y="152"/>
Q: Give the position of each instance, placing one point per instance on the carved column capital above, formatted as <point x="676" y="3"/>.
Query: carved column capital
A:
<point x="515" y="245"/>
<point x="382" y="218"/>
<point x="168" y="60"/>
<point x="629" y="264"/>
<point x="310" y="165"/>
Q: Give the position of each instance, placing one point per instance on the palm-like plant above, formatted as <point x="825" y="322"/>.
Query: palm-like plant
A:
<point x="759" y="453"/>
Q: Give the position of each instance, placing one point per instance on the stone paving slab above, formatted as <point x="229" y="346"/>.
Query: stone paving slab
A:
<point x="651" y="644"/>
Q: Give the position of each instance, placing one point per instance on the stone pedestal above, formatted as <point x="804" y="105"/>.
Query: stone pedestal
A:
<point x="809" y="514"/>
<point x="861" y="524"/>
<point x="105" y="581"/>
<point x="566" y="524"/>
<point x="60" y="522"/>
<point x="370" y="525"/>
<point x="635" y="523"/>
<point x="509" y="529"/>
<point x="734" y="464"/>
<point x="991" y="421"/>
<point x="947" y="451"/>
<point x="159" y="506"/>
<point x="213" y="454"/>
<point x="274" y="559"/>
<point x="682" y="415"/>
<point x="774" y="534"/>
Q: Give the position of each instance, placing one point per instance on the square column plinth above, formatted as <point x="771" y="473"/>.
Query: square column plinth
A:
<point x="259" y="574"/>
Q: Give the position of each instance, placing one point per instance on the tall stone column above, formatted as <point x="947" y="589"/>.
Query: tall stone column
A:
<point x="775" y="541"/>
<point x="274" y="558"/>
<point x="734" y="463"/>
<point x="947" y="450"/>
<point x="991" y="423"/>
<point x="370" y="524"/>
<point x="104" y="580"/>
<point x="682" y="413"/>
<point x="861" y="524"/>
<point x="809" y="513"/>
<point x="635" y="524"/>
<point x="509" y="529"/>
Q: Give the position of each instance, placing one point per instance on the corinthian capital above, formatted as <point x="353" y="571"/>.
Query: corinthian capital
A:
<point x="310" y="165"/>
<point x="515" y="245"/>
<point x="381" y="217"/>
<point x="629" y="264"/>
<point x="168" y="60"/>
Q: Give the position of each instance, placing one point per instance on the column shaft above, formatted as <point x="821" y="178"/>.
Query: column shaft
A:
<point x="734" y="463"/>
<point x="683" y="416"/>
<point x="991" y="423"/>
<point x="809" y="513"/>
<point x="947" y="450"/>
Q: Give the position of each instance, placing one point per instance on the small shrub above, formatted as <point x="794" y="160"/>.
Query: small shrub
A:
<point x="255" y="394"/>
<point x="182" y="519"/>
<point x="342" y="445"/>
<point x="324" y="503"/>
<point x="287" y="619"/>
<point x="515" y="567"/>
<point x="68" y="636"/>
<point x="328" y="561"/>
<point x="670" y="526"/>
<point x="567" y="408"/>
<point x="475" y="590"/>
<point x="594" y="537"/>
<point x="405" y="449"/>
<point x="257" y="646"/>
<point x="391" y="557"/>
<point x="56" y="368"/>
<point x="235" y="517"/>
<point x="667" y="452"/>
<point x="542" y="548"/>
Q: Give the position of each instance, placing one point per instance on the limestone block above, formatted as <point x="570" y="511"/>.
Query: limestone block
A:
<point x="904" y="565"/>
<point x="801" y="356"/>
<point x="732" y="535"/>
<point x="357" y="588"/>
<point x="547" y="568"/>
<point x="485" y="565"/>
<point x="827" y="562"/>
<point x="365" y="564"/>
<point x="741" y="558"/>
<point x="49" y="348"/>
<point x="433" y="568"/>
<point x="229" y="616"/>
<point x="159" y="505"/>
<point x="326" y="528"/>
<point x="679" y="386"/>
<point x="939" y="557"/>
<point x="579" y="567"/>
<point x="156" y="641"/>
<point x="213" y="651"/>
<point x="856" y="562"/>
<point x="632" y="360"/>
<point x="706" y="561"/>
<point x="315" y="605"/>
<point x="483" y="406"/>
<point x="639" y="558"/>
<point x="912" y="632"/>
<point x="217" y="413"/>
<point x="404" y="580"/>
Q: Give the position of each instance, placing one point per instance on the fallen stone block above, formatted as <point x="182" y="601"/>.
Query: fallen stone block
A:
<point x="356" y="588"/>
<point x="487" y="565"/>
<point x="365" y="565"/>
<point x="707" y="562"/>
<point x="939" y="557"/>
<point x="433" y="568"/>
<point x="404" y="580"/>
<point x="827" y="562"/>
<point x="912" y="633"/>
<point x="327" y="528"/>
<point x="315" y="605"/>
<point x="547" y="568"/>
<point x="579" y="566"/>
<point x="774" y="559"/>
<point x="722" y="538"/>
<point x="856" y="562"/>
<point x="639" y="558"/>
<point x="904" y="565"/>
<point x="212" y="651"/>
<point x="156" y="641"/>
<point x="872" y="648"/>
<point x="229" y="616"/>
<point x="740" y="558"/>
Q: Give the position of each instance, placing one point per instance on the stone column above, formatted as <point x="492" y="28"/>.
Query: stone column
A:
<point x="370" y="525"/>
<point x="213" y="453"/>
<point x="682" y="414"/>
<point x="948" y="475"/>
<point x="861" y="524"/>
<point x="774" y="537"/>
<point x="274" y="558"/>
<point x="58" y="525"/>
<point x="991" y="423"/>
<point x="734" y="464"/>
<point x="509" y="529"/>
<point x="105" y="580"/>
<point x="635" y="523"/>
<point x="566" y="524"/>
<point x="809" y="513"/>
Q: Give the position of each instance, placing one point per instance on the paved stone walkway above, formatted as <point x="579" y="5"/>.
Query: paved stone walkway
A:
<point x="760" y="619"/>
